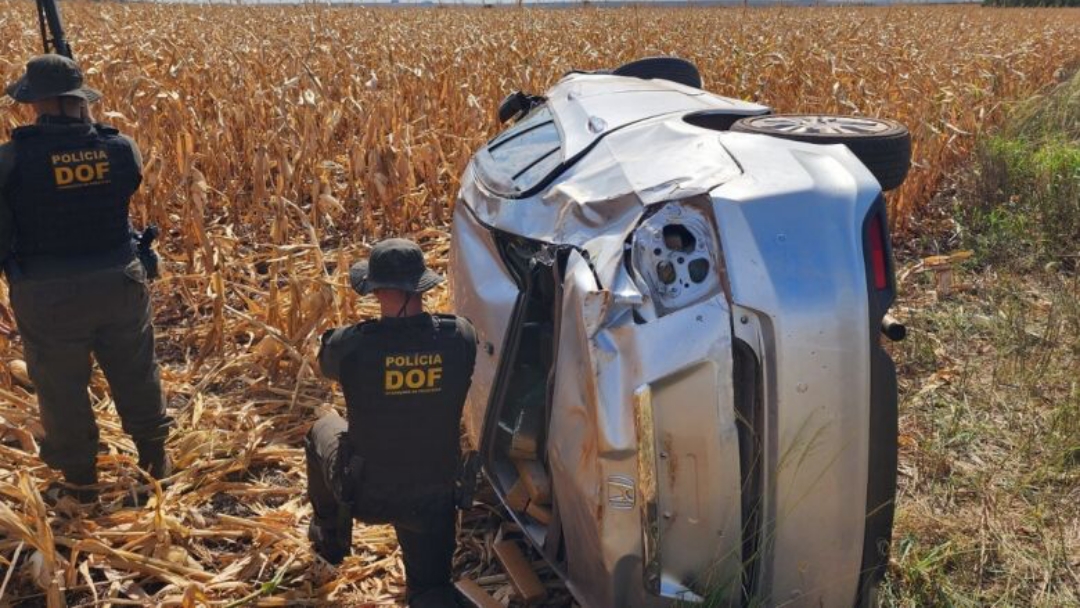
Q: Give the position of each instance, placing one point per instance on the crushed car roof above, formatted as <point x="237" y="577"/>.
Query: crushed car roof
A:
<point x="581" y="111"/>
<point x="581" y="98"/>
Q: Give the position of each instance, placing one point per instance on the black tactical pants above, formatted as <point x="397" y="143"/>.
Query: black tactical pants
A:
<point x="423" y="518"/>
<point x="63" y="322"/>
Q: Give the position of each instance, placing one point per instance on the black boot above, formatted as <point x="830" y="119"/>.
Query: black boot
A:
<point x="444" y="596"/>
<point x="79" y="484"/>
<point x="154" y="459"/>
<point x="330" y="539"/>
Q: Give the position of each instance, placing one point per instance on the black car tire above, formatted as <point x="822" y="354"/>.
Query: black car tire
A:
<point x="663" y="68"/>
<point x="884" y="146"/>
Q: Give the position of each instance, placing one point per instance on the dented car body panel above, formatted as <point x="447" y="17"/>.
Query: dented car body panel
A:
<point x="482" y="287"/>
<point x="674" y="328"/>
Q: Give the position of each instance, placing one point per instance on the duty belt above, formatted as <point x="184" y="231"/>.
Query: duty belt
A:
<point x="356" y="474"/>
<point x="57" y="266"/>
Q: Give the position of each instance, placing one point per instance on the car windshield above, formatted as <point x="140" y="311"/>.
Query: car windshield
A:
<point x="523" y="156"/>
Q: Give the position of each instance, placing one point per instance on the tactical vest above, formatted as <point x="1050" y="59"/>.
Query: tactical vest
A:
<point x="69" y="194"/>
<point x="405" y="386"/>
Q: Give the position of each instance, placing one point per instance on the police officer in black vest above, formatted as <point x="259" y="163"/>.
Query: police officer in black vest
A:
<point x="77" y="287"/>
<point x="397" y="458"/>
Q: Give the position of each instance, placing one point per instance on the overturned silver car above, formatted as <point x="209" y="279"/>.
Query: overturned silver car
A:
<point x="680" y="393"/>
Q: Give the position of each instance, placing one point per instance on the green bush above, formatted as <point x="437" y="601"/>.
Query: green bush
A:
<point x="1026" y="207"/>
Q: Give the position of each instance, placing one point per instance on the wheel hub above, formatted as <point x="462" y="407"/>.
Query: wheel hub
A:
<point x="822" y="125"/>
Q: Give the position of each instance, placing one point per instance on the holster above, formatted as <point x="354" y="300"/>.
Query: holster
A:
<point x="465" y="485"/>
<point x="352" y="467"/>
<point x="144" y="249"/>
<point x="352" y="471"/>
<point x="150" y="262"/>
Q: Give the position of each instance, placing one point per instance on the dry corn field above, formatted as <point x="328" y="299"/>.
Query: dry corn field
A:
<point x="281" y="141"/>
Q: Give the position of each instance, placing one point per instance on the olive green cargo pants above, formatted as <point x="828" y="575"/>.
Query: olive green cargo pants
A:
<point x="63" y="322"/>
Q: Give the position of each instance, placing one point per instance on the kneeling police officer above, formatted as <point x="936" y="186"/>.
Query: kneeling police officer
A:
<point x="397" y="459"/>
<point x="77" y="286"/>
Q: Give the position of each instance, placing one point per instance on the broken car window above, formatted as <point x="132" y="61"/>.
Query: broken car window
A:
<point x="527" y="153"/>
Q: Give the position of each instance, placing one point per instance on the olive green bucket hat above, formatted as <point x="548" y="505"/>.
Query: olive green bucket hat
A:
<point x="394" y="264"/>
<point x="51" y="76"/>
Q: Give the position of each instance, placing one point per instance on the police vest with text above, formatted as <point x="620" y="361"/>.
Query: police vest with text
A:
<point x="70" y="192"/>
<point x="405" y="386"/>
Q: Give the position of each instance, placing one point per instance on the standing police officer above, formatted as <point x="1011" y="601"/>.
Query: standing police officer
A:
<point x="397" y="458"/>
<point x="77" y="287"/>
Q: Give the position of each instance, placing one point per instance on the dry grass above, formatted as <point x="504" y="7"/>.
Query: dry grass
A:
<point x="280" y="140"/>
<point x="990" y="443"/>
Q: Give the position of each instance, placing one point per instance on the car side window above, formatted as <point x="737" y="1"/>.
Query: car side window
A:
<point x="526" y="153"/>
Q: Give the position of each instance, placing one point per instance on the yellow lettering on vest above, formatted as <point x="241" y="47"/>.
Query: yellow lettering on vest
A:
<point x="394" y="380"/>
<point x="415" y="378"/>
<point x="84" y="173"/>
<point x="434" y="375"/>
<point x="413" y="373"/>
<point x="101" y="170"/>
<point x="64" y="175"/>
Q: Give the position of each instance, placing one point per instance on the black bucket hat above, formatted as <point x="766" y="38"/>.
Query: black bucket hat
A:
<point x="51" y="76"/>
<point x="393" y="264"/>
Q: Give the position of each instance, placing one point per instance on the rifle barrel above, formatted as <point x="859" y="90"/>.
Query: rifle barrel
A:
<point x="52" y="28"/>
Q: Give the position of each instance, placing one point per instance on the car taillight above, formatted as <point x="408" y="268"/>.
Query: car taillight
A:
<point x="879" y="264"/>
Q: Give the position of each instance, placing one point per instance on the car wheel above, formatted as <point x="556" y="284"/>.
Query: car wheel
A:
<point x="663" y="68"/>
<point x="884" y="146"/>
